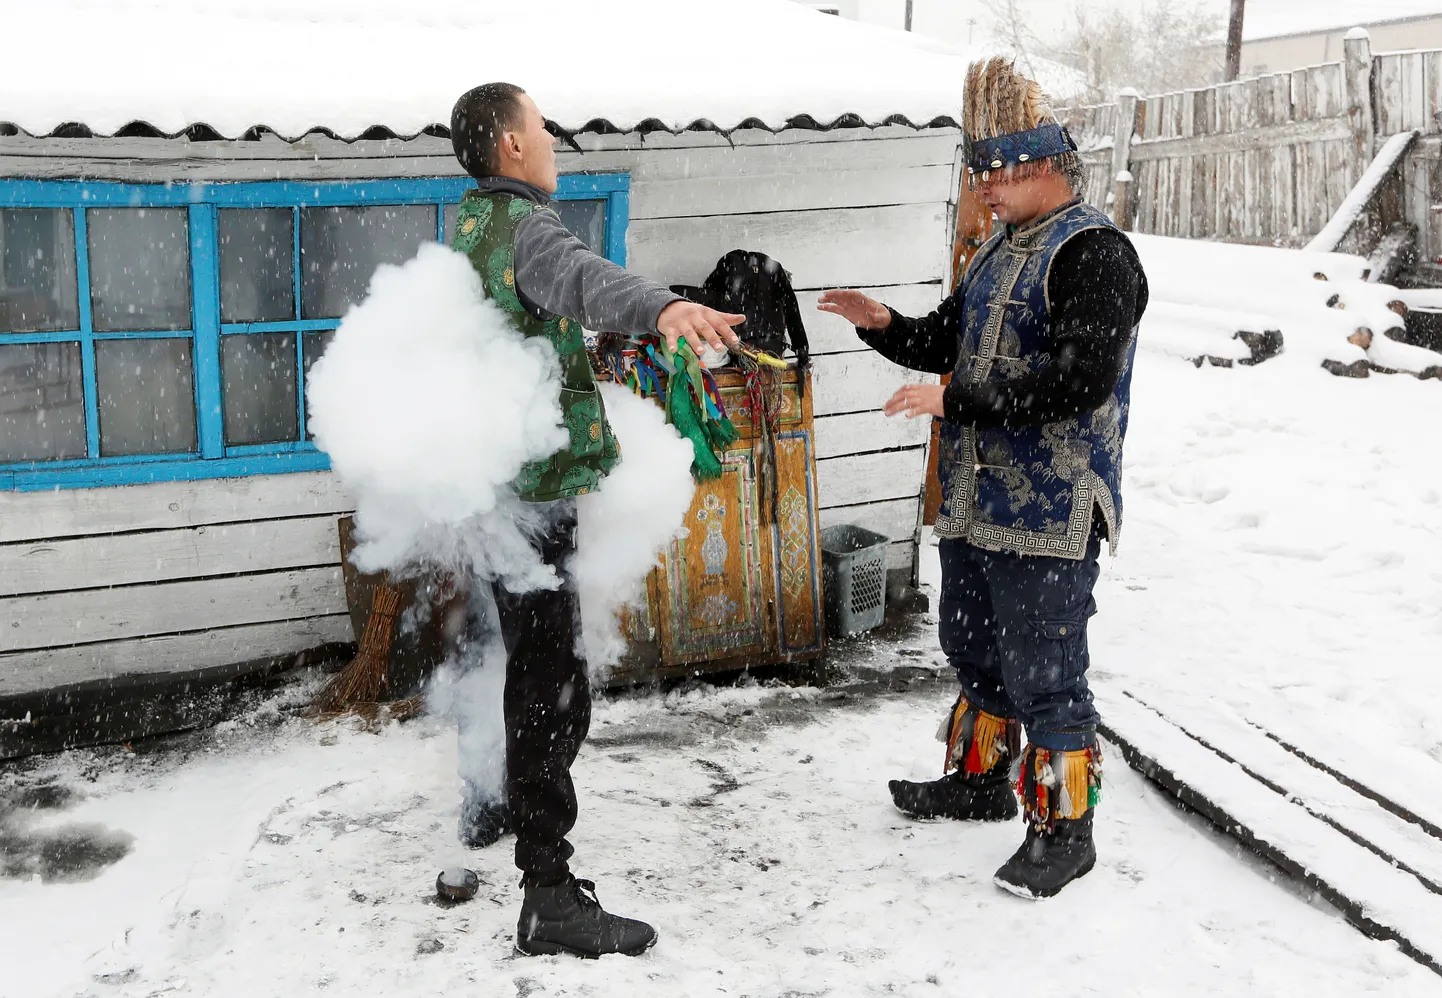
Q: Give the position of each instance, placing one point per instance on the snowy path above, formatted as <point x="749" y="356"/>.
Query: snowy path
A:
<point x="752" y="825"/>
<point x="1282" y="556"/>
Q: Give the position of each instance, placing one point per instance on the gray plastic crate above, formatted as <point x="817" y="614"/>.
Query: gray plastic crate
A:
<point x="853" y="572"/>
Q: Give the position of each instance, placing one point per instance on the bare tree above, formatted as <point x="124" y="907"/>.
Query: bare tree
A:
<point x="1164" y="46"/>
<point x="1012" y="29"/>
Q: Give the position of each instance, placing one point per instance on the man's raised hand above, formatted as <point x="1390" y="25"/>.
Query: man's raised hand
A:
<point x="856" y="308"/>
<point x="697" y="325"/>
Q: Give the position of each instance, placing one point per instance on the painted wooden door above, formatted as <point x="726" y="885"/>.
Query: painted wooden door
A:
<point x="713" y="604"/>
<point x="744" y="586"/>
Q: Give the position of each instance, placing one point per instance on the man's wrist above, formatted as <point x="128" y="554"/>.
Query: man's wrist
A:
<point x="885" y="323"/>
<point x="663" y="302"/>
<point x="953" y="398"/>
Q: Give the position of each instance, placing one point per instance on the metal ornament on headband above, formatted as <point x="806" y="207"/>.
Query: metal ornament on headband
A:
<point x="985" y="155"/>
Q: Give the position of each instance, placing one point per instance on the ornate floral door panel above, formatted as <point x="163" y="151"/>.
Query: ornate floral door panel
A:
<point x="795" y="544"/>
<point x="713" y="599"/>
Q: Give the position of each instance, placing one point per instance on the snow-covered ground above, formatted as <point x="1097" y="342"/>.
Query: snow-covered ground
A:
<point x="1282" y="556"/>
<point x="752" y="827"/>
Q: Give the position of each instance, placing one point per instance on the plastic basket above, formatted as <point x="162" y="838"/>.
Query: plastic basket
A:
<point x="853" y="571"/>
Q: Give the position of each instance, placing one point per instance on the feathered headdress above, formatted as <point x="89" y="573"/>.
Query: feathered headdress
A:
<point x="1007" y="121"/>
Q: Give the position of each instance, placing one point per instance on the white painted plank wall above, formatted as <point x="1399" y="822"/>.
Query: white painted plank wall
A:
<point x="167" y="505"/>
<point x="26" y="672"/>
<point x="830" y="247"/>
<point x="165" y="555"/>
<point x="54" y="619"/>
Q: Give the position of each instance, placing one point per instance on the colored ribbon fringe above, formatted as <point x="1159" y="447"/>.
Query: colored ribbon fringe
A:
<point x="687" y="392"/>
<point x="977" y="740"/>
<point x="1059" y="786"/>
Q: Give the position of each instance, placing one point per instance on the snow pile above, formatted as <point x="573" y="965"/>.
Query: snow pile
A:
<point x="402" y="63"/>
<point x="624" y="527"/>
<point x="1204" y="293"/>
<point x="429" y="402"/>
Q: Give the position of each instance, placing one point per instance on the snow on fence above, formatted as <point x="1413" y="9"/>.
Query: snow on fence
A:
<point x="1272" y="159"/>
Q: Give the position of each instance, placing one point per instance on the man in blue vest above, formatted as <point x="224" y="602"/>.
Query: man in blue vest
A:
<point x="1039" y="339"/>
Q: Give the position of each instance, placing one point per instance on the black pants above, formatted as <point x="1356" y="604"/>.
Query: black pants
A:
<point x="547" y="704"/>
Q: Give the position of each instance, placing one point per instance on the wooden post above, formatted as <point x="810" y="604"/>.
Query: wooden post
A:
<point x="1357" y="81"/>
<point x="1234" y="40"/>
<point x="1122" y="201"/>
<point x="1128" y="112"/>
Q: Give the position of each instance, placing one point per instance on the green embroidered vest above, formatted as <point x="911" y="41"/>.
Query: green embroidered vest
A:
<point x="486" y="233"/>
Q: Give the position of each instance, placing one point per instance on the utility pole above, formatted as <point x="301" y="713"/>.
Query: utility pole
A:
<point x="908" y="14"/>
<point x="1234" y="39"/>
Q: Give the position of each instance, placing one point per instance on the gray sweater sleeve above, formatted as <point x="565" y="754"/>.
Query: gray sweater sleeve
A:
<point x="556" y="272"/>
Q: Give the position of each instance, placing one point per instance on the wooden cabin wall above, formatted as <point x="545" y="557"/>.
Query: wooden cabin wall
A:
<point x="167" y="578"/>
<point x="182" y="576"/>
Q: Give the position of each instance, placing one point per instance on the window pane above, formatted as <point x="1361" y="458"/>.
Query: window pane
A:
<point x="257" y="264"/>
<point x="37" y="270"/>
<point x="340" y="249"/>
<point x="453" y="212"/>
<point x="139" y="268"/>
<point x="587" y="219"/>
<point x="42" y="402"/>
<point x="147" y="397"/>
<point x="312" y="346"/>
<point x="258" y="373"/>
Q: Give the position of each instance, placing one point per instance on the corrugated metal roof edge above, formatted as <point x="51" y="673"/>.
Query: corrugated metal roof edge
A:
<point x="202" y="132"/>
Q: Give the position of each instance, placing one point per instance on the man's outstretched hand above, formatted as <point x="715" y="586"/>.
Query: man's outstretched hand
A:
<point x="697" y="325"/>
<point x="917" y="400"/>
<point x="856" y="308"/>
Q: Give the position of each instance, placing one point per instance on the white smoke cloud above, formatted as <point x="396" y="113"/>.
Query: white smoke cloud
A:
<point x="623" y="528"/>
<point x="429" y="402"/>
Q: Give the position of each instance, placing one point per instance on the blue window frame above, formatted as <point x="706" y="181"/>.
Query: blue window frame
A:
<point x="147" y="362"/>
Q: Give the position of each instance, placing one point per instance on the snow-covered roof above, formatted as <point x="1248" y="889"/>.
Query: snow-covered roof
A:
<point x="1276" y="18"/>
<point x="354" y="67"/>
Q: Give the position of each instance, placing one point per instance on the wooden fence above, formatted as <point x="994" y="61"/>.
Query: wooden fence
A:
<point x="1271" y="159"/>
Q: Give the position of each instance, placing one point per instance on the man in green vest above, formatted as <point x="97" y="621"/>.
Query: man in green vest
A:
<point x="551" y="285"/>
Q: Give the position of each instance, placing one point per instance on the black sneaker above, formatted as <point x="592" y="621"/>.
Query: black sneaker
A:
<point x="984" y="797"/>
<point x="483" y="824"/>
<point x="568" y="918"/>
<point x="1048" y="861"/>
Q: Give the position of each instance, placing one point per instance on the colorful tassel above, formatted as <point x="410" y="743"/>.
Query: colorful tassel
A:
<point x="1058" y="785"/>
<point x="976" y="740"/>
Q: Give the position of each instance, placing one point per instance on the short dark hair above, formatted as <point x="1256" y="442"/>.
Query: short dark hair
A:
<point x="477" y="122"/>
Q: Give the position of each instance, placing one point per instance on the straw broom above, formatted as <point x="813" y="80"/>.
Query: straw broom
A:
<point x="361" y="687"/>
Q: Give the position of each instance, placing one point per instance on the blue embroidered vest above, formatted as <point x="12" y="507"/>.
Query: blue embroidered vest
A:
<point x="1030" y="490"/>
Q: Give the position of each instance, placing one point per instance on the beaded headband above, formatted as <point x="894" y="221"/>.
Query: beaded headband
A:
<point x="985" y="155"/>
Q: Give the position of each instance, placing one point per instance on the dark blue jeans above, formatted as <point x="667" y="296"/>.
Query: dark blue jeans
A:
<point x="1014" y="628"/>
